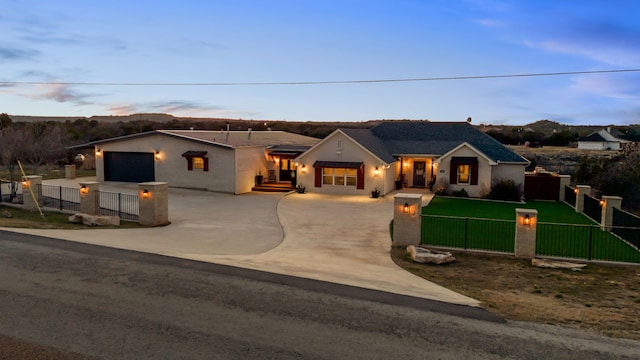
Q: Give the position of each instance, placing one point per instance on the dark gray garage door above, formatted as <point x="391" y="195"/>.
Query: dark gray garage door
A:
<point x="128" y="166"/>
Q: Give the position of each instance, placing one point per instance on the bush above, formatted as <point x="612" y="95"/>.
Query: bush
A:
<point x="505" y="189"/>
<point x="460" y="193"/>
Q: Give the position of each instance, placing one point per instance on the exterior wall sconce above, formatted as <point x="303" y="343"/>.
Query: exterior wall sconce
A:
<point x="98" y="152"/>
<point x="601" y="202"/>
<point x="25" y="184"/>
<point x="304" y="168"/>
<point x="405" y="208"/>
<point x="276" y="160"/>
<point x="526" y="220"/>
<point x="157" y="155"/>
<point x="575" y="190"/>
<point x="146" y="193"/>
<point x="405" y="163"/>
<point x="376" y="172"/>
<point x="84" y="190"/>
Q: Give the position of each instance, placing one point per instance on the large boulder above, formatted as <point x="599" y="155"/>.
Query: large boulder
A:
<point x="94" y="220"/>
<point x="426" y="256"/>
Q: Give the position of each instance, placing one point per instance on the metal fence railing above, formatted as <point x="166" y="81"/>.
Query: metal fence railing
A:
<point x="11" y="191"/>
<point x="627" y="226"/>
<point x="570" y="196"/>
<point x="592" y="208"/>
<point x="123" y="205"/>
<point x="588" y="242"/>
<point x="58" y="197"/>
<point x="468" y="233"/>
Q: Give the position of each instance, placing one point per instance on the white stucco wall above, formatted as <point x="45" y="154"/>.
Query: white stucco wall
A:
<point x="250" y="160"/>
<point x="598" y="145"/>
<point x="484" y="173"/>
<point x="514" y="172"/>
<point x="339" y="147"/>
<point x="171" y="167"/>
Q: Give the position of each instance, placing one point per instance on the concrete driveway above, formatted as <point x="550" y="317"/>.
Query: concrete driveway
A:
<point x="341" y="239"/>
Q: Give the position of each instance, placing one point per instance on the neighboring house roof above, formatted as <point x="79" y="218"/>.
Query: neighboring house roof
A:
<point x="389" y="140"/>
<point x="602" y="135"/>
<point x="227" y="139"/>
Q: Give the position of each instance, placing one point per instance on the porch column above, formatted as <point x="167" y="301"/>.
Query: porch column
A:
<point x="89" y="199"/>
<point x="153" y="203"/>
<point x="583" y="190"/>
<point x="526" y="228"/>
<point x="407" y="219"/>
<point x="609" y="202"/>
<point x="565" y="180"/>
<point x="31" y="185"/>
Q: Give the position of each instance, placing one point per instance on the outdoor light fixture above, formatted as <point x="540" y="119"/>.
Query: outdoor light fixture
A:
<point x="405" y="209"/>
<point x="601" y="202"/>
<point x="84" y="190"/>
<point x="145" y="193"/>
<point x="376" y="172"/>
<point x="25" y="183"/>
<point x="157" y="155"/>
<point x="527" y="220"/>
<point x="304" y="168"/>
<point x="575" y="190"/>
<point x="98" y="152"/>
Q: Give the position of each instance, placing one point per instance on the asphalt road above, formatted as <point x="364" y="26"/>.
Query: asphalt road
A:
<point x="117" y="304"/>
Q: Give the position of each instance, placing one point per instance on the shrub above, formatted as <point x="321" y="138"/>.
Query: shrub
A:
<point x="505" y="189"/>
<point x="460" y="193"/>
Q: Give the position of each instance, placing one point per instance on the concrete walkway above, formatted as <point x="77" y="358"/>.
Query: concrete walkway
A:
<point x="341" y="239"/>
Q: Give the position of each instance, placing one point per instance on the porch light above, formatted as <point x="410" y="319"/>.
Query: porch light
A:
<point x="376" y="172"/>
<point x="575" y="190"/>
<point x="98" y="152"/>
<point x="84" y="190"/>
<point x="25" y="183"/>
<point x="405" y="209"/>
<point x="405" y="163"/>
<point x="304" y="168"/>
<point x="157" y="155"/>
<point x="526" y="220"/>
<point x="601" y="202"/>
<point x="276" y="159"/>
<point x="146" y="193"/>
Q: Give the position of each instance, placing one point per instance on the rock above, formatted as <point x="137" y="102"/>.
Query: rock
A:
<point x="553" y="264"/>
<point x="6" y="214"/>
<point x="94" y="220"/>
<point x="426" y="256"/>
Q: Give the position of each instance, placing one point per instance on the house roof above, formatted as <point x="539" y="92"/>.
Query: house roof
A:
<point x="389" y="140"/>
<point x="226" y="139"/>
<point x="603" y="135"/>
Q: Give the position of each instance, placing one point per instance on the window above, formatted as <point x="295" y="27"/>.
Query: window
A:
<point x="339" y="176"/>
<point x="464" y="174"/>
<point x="198" y="163"/>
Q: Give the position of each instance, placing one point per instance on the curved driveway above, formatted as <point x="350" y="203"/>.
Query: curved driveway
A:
<point x="341" y="239"/>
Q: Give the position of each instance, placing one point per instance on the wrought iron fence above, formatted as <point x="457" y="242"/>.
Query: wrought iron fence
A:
<point x="570" y="196"/>
<point x="627" y="226"/>
<point x="58" y="197"/>
<point x="588" y="242"/>
<point x="592" y="208"/>
<point x="123" y="205"/>
<point x="11" y="192"/>
<point x="468" y="233"/>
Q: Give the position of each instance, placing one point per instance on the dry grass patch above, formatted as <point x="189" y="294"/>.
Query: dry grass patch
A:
<point x="600" y="298"/>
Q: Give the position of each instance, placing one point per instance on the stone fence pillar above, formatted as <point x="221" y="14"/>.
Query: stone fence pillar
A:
<point x="89" y="199"/>
<point x="153" y="203"/>
<point x="407" y="219"/>
<point x="583" y="190"/>
<point x="526" y="229"/>
<point x="69" y="171"/>
<point x="30" y="186"/>
<point x="565" y="180"/>
<point x="608" y="203"/>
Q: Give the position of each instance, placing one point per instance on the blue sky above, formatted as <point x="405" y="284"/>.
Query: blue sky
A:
<point x="242" y="41"/>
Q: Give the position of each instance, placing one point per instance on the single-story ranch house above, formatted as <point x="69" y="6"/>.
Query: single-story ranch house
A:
<point x="603" y="139"/>
<point x="449" y="155"/>
<point x="223" y="161"/>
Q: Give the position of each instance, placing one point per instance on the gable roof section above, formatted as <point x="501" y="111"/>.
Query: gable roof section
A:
<point x="438" y="138"/>
<point x="224" y="139"/>
<point x="370" y="142"/>
<point x="603" y="135"/>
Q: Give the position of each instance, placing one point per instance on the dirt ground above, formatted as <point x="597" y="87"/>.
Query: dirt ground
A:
<point x="600" y="298"/>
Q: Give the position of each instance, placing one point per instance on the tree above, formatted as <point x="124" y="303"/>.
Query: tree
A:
<point x="5" y="121"/>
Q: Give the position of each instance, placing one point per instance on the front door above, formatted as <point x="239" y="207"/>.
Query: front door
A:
<point x="419" y="173"/>
<point x="286" y="167"/>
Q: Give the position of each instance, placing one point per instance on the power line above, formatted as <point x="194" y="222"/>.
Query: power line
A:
<point x="473" y="77"/>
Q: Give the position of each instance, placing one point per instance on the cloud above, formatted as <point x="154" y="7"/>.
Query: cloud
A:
<point x="8" y="53"/>
<point x="615" y="86"/>
<point x="61" y="93"/>
<point x="180" y="108"/>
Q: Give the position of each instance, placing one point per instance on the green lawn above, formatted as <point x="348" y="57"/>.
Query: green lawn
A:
<point x="490" y="225"/>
